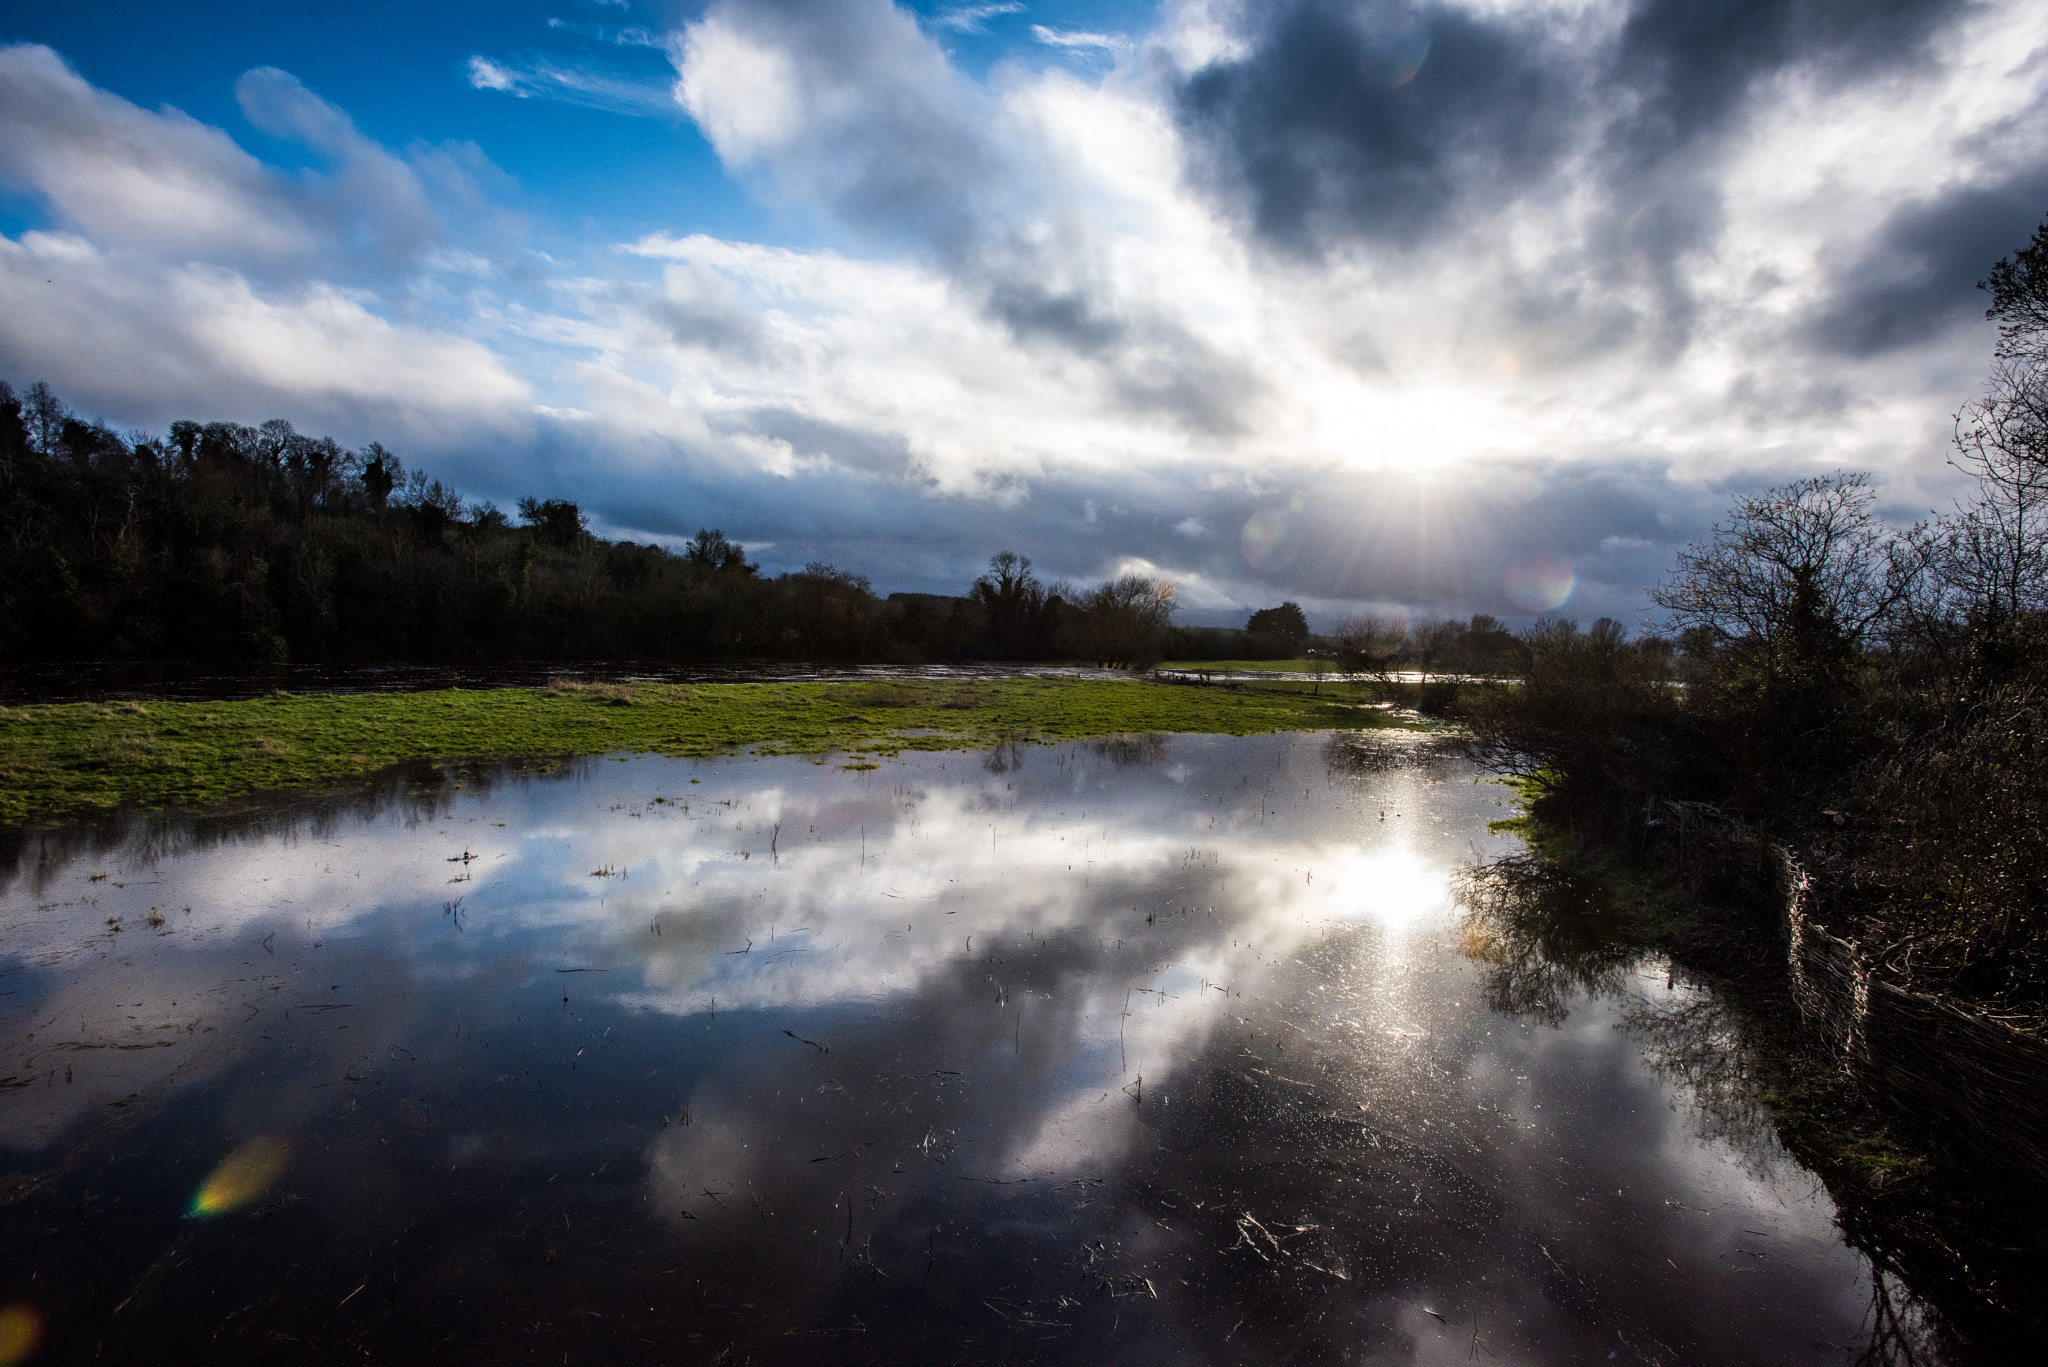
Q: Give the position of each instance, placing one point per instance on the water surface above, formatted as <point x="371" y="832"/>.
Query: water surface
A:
<point x="1156" y="1050"/>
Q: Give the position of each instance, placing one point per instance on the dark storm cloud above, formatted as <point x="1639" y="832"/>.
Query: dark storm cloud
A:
<point x="1918" y="276"/>
<point x="1382" y="122"/>
<point x="1386" y="125"/>
<point x="1690" y="64"/>
<point x="1377" y="122"/>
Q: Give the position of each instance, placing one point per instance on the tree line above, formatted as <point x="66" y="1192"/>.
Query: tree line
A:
<point x="217" y="541"/>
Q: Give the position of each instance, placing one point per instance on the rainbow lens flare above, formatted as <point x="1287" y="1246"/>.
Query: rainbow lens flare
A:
<point x="1409" y="57"/>
<point x="1265" y="538"/>
<point x="1540" y="585"/>
<point x="243" y="1176"/>
<point x="21" y="1330"/>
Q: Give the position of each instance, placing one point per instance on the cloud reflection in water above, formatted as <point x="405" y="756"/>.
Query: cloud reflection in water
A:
<point x="1162" y="1049"/>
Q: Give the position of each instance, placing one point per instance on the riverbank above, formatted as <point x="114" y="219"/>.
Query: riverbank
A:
<point x="70" y="759"/>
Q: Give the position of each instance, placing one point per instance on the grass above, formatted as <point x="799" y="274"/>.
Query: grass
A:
<point x="68" y="759"/>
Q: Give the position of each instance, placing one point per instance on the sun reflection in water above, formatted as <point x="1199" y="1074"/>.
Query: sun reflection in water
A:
<point x="243" y="1176"/>
<point x="1395" y="887"/>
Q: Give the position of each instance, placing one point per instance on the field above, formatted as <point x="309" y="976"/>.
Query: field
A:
<point x="68" y="759"/>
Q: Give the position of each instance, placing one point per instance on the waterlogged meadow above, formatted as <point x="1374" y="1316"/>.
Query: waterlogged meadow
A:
<point x="1166" y="1049"/>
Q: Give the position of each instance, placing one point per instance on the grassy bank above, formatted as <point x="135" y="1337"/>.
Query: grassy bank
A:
<point x="67" y="759"/>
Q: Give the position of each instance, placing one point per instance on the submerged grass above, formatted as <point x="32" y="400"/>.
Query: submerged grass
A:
<point x="66" y="759"/>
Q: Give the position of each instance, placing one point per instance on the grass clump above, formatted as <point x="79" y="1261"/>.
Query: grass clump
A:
<point x="66" y="759"/>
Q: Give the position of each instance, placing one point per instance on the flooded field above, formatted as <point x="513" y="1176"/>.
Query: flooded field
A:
<point x="1158" y="1050"/>
<point x="22" y="684"/>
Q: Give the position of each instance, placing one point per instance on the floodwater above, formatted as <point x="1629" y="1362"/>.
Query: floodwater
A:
<point x="1157" y="1050"/>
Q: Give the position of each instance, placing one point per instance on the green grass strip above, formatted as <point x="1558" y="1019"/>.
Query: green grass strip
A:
<point x="68" y="759"/>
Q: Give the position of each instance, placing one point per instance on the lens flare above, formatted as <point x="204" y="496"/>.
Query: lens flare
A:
<point x="1266" y="538"/>
<point x="243" y="1176"/>
<point x="1517" y="486"/>
<point x="21" y="1330"/>
<point x="1540" y="585"/>
<point x="1413" y="52"/>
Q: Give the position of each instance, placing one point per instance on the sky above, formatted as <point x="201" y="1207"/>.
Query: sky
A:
<point x="1453" y="307"/>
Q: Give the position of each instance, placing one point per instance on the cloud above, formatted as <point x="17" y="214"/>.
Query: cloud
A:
<point x="1343" y="303"/>
<point x="633" y="35"/>
<point x="185" y="277"/>
<point x="974" y="18"/>
<point x="163" y="184"/>
<point x="579" y="84"/>
<point x="1078" y="40"/>
<point x="109" y="328"/>
<point x="1916" y="275"/>
<point x="847" y="106"/>
<point x="1326" y="130"/>
<point x="123" y="174"/>
<point x="1688" y="68"/>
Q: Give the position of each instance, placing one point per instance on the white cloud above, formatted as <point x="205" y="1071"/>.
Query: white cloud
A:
<point x="122" y="174"/>
<point x="1078" y="38"/>
<point x="200" y="339"/>
<point x="974" y="18"/>
<point x="578" y="84"/>
<point x="743" y="94"/>
<point x="485" y="74"/>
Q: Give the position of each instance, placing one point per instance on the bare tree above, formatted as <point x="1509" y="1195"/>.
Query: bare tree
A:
<point x="1799" y="573"/>
<point x="1432" y="641"/>
<point x="1370" y="644"/>
<point x="1125" y="620"/>
<point x="1993" y="552"/>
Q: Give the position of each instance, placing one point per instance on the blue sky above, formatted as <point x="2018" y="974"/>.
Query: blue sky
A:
<point x="1454" y="306"/>
<point x="627" y="162"/>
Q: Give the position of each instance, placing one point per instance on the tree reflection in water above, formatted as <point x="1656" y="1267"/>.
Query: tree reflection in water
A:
<point x="1550" y="938"/>
<point x="1545" y="936"/>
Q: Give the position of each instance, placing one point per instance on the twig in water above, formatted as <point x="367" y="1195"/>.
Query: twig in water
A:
<point x="821" y="1048"/>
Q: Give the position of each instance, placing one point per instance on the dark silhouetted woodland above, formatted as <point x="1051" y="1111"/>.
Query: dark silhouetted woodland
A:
<point x="223" y="542"/>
